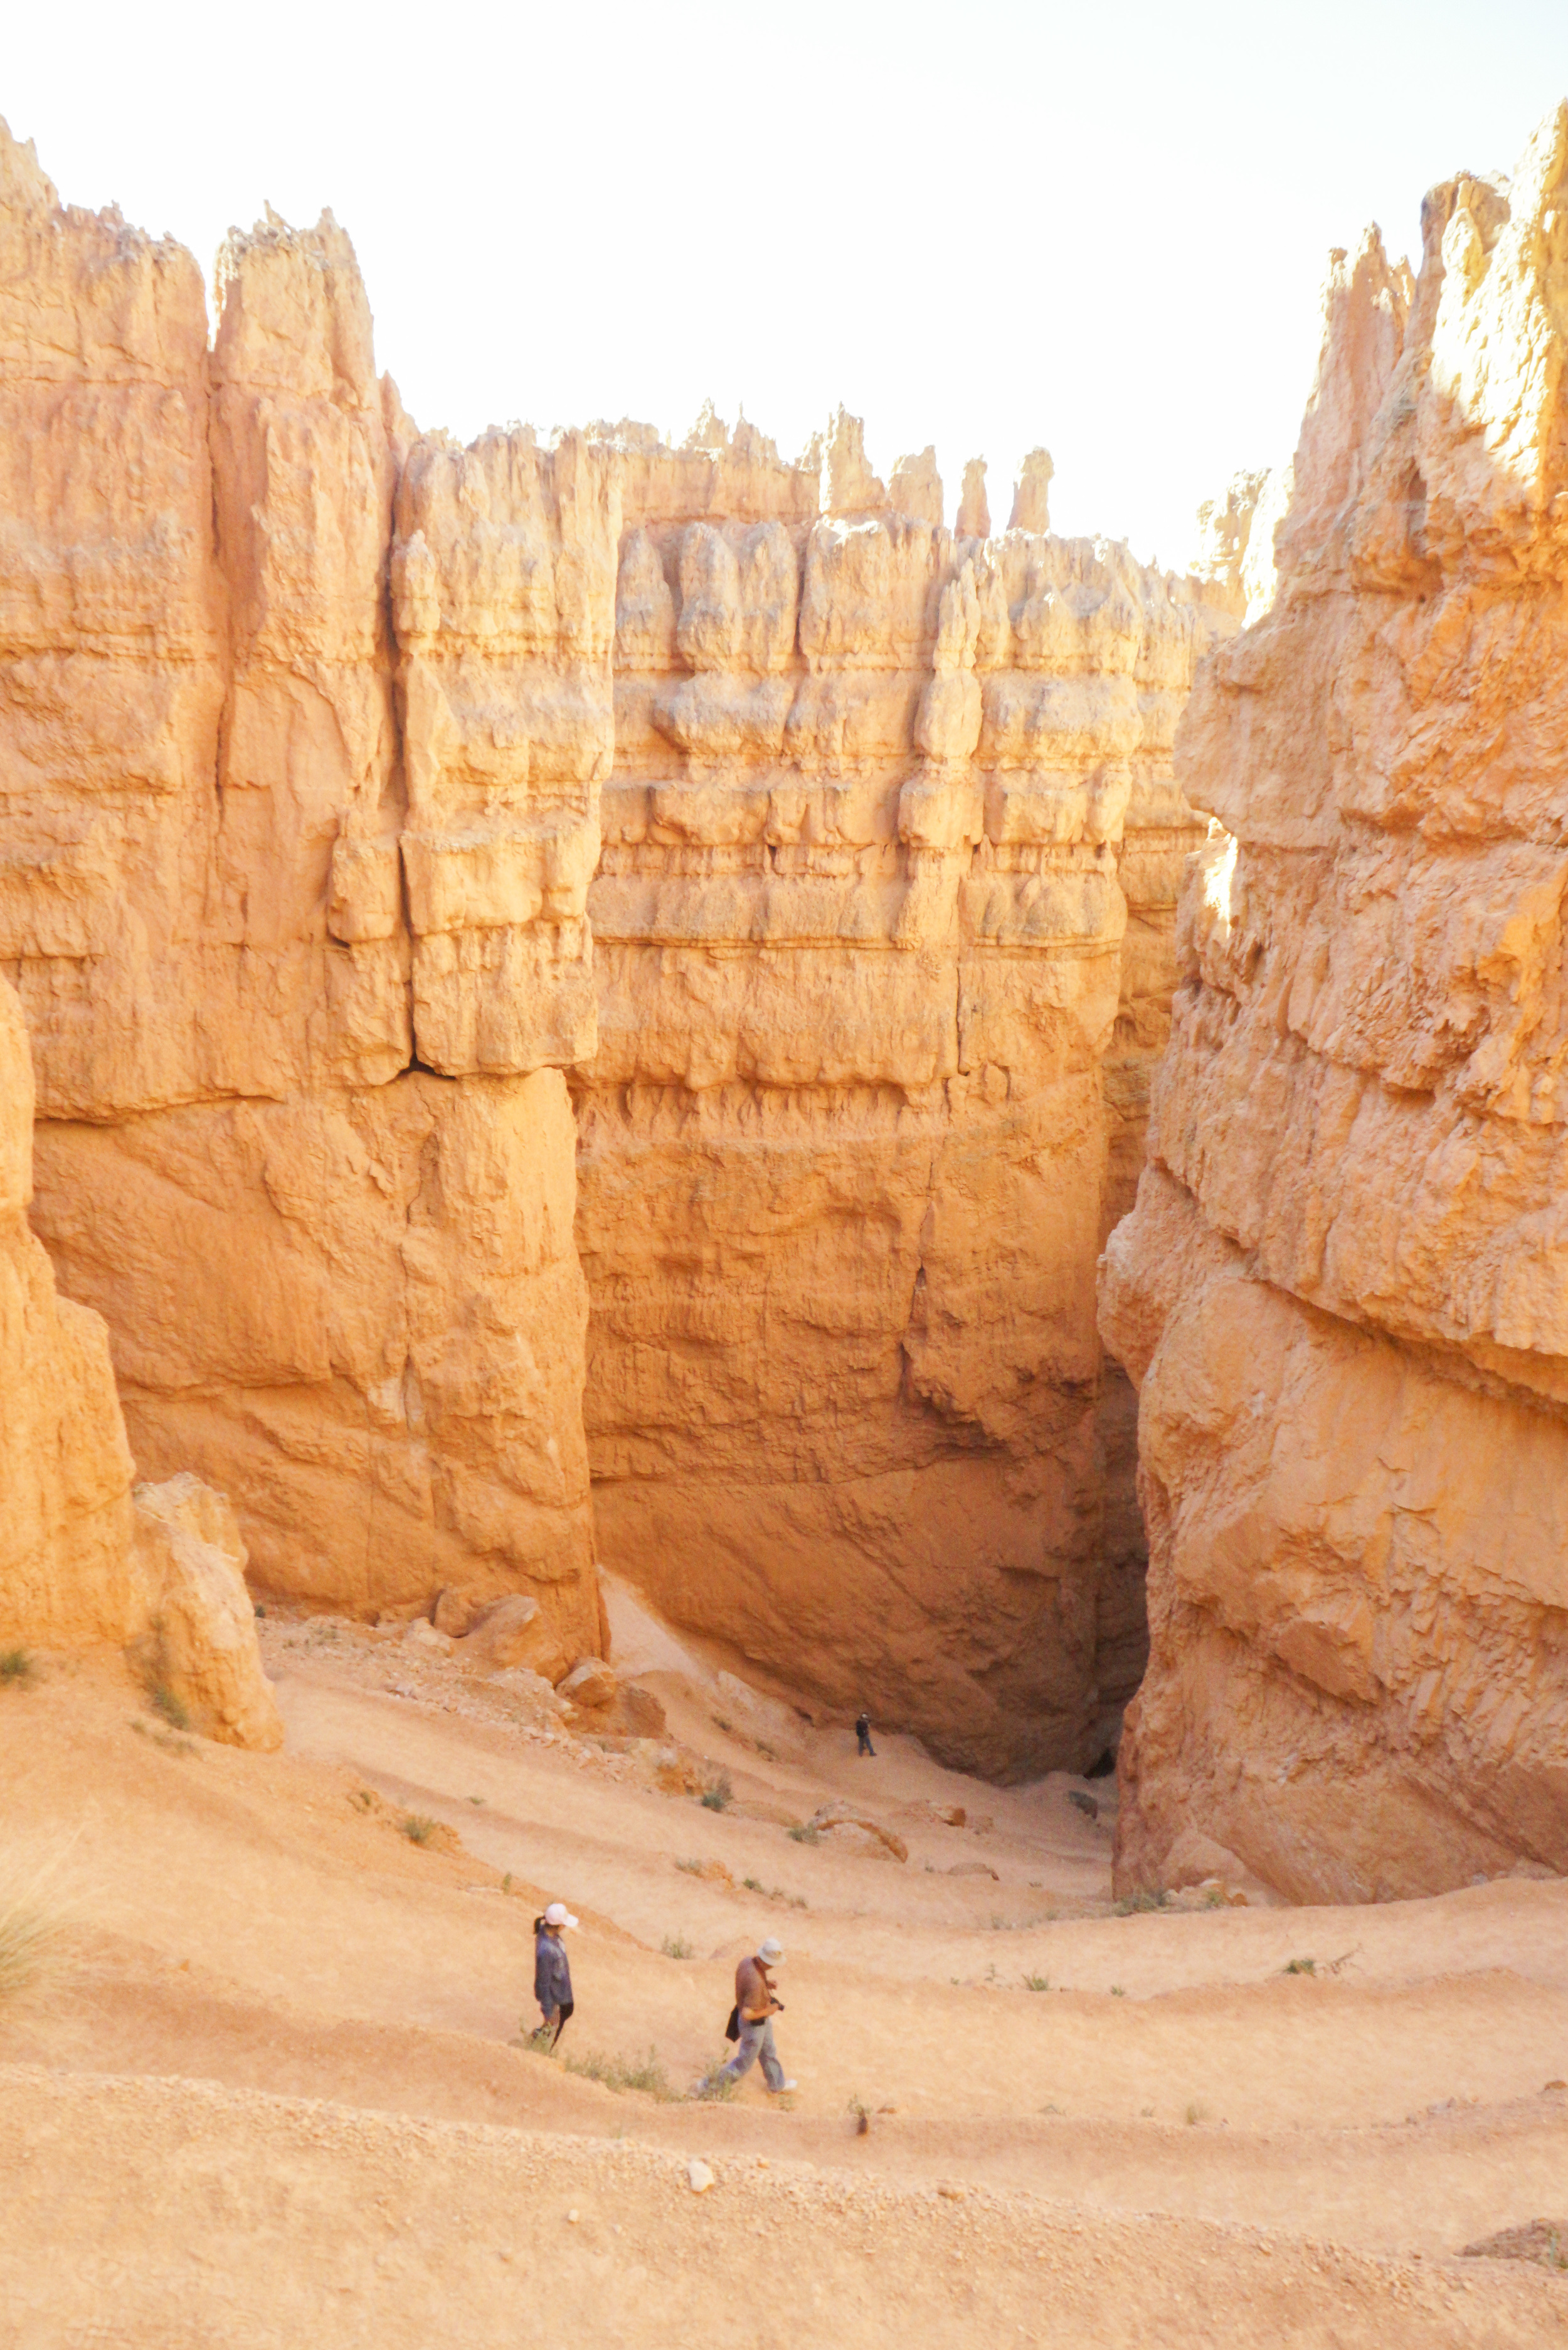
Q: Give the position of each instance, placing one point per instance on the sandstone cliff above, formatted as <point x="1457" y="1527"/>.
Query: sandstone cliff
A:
<point x="83" y="1560"/>
<point x="305" y="720"/>
<point x="295" y="903"/>
<point x="1343" y="1288"/>
<point x="883" y="922"/>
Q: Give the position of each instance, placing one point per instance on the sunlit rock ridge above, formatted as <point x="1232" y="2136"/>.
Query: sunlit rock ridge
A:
<point x="1344" y="1288"/>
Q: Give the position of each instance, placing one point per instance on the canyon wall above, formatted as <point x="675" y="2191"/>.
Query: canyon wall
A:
<point x="302" y="720"/>
<point x="307" y="724"/>
<point x="1344" y="1288"/>
<point x="85" y="1559"/>
<point x="883" y="921"/>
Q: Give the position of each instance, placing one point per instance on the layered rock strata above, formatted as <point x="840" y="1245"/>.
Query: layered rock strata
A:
<point x="1343" y="1286"/>
<point x="305" y="723"/>
<point x="294" y="899"/>
<point x="84" y="1560"/>
<point x="883" y="924"/>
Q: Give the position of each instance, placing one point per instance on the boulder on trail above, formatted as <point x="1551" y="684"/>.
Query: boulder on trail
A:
<point x="591" y="1685"/>
<point x="515" y="1631"/>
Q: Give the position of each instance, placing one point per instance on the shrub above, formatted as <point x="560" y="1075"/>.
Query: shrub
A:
<point x="1195" y="2114"/>
<point x="719" y="1794"/>
<point x="621" y="2074"/>
<point x="1138" y="1904"/>
<point x="16" y="1668"/>
<point x="805" y="1834"/>
<point x="1036" y="1982"/>
<point x="676" y="1946"/>
<point x="692" y="1868"/>
<point x="417" y="1828"/>
<point x="1302" y="1967"/>
<point x="170" y="1741"/>
<point x="163" y="1700"/>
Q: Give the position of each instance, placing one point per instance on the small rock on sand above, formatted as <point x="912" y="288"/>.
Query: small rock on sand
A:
<point x="590" y="1684"/>
<point x="699" y="2177"/>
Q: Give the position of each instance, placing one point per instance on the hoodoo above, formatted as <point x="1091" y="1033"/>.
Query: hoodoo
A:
<point x="1344" y="1288"/>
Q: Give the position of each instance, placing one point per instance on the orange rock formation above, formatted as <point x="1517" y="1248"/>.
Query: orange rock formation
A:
<point x="83" y="1559"/>
<point x="883" y="921"/>
<point x="271" y="881"/>
<point x="305" y="720"/>
<point x="1343" y="1289"/>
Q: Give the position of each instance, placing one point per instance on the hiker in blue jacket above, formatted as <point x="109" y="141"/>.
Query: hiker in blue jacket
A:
<point x="552" y="1973"/>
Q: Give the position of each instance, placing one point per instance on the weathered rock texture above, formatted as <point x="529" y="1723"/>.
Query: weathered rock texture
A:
<point x="305" y="720"/>
<point x="302" y="723"/>
<point x="84" y="1561"/>
<point x="1344" y="1288"/>
<point x="883" y="922"/>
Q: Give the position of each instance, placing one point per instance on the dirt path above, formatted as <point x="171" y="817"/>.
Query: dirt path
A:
<point x="259" y="1925"/>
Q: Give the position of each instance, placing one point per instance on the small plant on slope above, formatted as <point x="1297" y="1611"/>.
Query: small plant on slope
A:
<point x="33" y="1920"/>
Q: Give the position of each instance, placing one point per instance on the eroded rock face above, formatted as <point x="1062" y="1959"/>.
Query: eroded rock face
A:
<point x="294" y="898"/>
<point x="1344" y="1288"/>
<point x="306" y="722"/>
<point x="83" y="1561"/>
<point x="201" y="1639"/>
<point x="883" y="922"/>
<point x="65" y="1466"/>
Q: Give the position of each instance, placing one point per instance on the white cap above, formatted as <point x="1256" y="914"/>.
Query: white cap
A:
<point x="557" y="1914"/>
<point x="771" y="1952"/>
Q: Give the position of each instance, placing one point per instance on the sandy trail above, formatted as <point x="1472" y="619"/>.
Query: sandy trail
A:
<point x="248" y="1924"/>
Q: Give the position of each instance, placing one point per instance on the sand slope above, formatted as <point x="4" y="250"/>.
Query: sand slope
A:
<point x="274" y="2090"/>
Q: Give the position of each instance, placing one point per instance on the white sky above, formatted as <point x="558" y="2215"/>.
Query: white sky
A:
<point x="989" y="225"/>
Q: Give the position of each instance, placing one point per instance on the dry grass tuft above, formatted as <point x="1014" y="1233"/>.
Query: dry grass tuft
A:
<point x="37" y="1916"/>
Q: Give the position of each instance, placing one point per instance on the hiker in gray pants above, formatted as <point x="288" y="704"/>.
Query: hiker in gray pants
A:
<point x="755" y="2009"/>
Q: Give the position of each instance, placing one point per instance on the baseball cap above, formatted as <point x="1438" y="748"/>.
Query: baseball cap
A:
<point x="557" y="1914"/>
<point x="771" y="1952"/>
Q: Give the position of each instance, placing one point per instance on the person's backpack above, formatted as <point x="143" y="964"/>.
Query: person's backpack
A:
<point x="733" y="2029"/>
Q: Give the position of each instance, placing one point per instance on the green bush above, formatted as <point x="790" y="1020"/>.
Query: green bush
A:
<point x="173" y="1708"/>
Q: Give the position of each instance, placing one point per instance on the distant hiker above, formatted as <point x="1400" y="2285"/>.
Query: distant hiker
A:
<point x="552" y="1974"/>
<point x="752" y="2023"/>
<point x="863" y="1732"/>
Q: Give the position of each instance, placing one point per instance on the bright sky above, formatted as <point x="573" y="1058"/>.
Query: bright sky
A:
<point x="987" y="225"/>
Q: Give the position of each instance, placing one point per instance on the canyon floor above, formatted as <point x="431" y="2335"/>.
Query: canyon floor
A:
<point x="271" y="2090"/>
